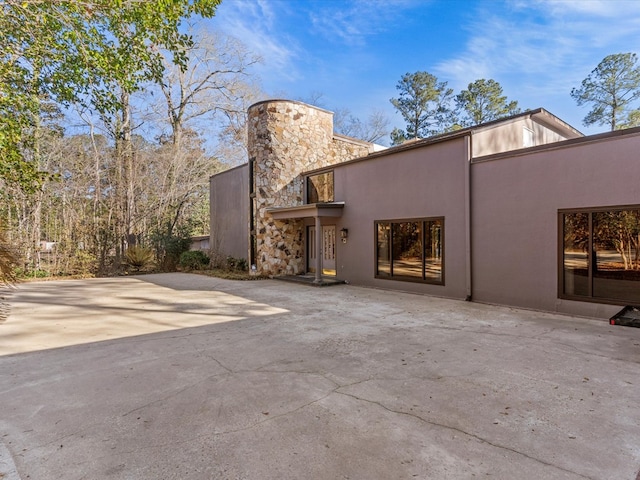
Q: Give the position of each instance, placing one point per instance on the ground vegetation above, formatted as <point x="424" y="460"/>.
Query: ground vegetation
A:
<point x="109" y="115"/>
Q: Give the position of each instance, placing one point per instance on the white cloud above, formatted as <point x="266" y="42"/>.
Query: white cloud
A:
<point x="286" y="34"/>
<point x="548" y="45"/>
<point x="594" y="8"/>
<point x="256" y="24"/>
<point x="360" y="19"/>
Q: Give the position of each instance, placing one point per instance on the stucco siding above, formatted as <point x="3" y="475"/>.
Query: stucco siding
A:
<point x="544" y="135"/>
<point x="229" y="200"/>
<point x="510" y="136"/>
<point x="497" y="139"/>
<point x="515" y="217"/>
<point x="410" y="184"/>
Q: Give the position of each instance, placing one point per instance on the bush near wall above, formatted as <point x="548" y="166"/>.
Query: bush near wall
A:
<point x="194" y="260"/>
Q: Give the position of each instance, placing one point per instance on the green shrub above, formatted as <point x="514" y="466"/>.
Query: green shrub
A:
<point x="83" y="263"/>
<point x="237" y="264"/>
<point x="24" y="274"/>
<point x="139" y="257"/>
<point x="169" y="247"/>
<point x="194" y="260"/>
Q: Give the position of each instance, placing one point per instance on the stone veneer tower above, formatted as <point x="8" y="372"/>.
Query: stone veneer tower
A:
<point x="286" y="139"/>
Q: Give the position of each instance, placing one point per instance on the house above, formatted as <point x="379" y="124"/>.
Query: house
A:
<point x="522" y="211"/>
<point x="200" y="242"/>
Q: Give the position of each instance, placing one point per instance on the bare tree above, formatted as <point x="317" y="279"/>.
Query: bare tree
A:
<point x="373" y="129"/>
<point x="212" y="91"/>
<point x="122" y="175"/>
<point x="231" y="147"/>
<point x="216" y="81"/>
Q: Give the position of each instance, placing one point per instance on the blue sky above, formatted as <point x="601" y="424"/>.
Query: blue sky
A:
<point x="354" y="52"/>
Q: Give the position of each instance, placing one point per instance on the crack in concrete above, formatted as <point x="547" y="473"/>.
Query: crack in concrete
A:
<point x="335" y="390"/>
<point x="172" y="394"/>
<point x="235" y="430"/>
<point x="275" y="417"/>
<point x="178" y="392"/>
<point x="220" y="364"/>
<point x="455" y="429"/>
<point x="284" y="414"/>
<point x="295" y="410"/>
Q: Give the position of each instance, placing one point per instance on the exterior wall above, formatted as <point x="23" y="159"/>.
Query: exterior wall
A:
<point x="514" y="200"/>
<point x="509" y="136"/>
<point x="287" y="138"/>
<point x="415" y="183"/>
<point x="544" y="135"/>
<point x="200" y="243"/>
<point x="515" y="214"/>
<point x="229" y="212"/>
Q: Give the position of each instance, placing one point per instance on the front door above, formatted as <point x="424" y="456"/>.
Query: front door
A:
<point x="328" y="249"/>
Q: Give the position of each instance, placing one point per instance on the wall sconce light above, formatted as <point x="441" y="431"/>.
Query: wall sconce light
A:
<point x="344" y="234"/>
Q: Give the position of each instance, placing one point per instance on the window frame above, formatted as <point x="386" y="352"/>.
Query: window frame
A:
<point x="423" y="224"/>
<point x="307" y="183"/>
<point x="590" y="298"/>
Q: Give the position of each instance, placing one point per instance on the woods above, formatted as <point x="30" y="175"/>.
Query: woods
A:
<point x="110" y="112"/>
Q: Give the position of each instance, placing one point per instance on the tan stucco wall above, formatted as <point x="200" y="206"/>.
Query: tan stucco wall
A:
<point x="418" y="183"/>
<point x="515" y="198"/>
<point x="515" y="213"/>
<point x="229" y="212"/>
<point x="288" y="138"/>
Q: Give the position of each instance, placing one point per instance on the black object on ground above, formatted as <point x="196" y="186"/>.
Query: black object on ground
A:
<point x="629" y="316"/>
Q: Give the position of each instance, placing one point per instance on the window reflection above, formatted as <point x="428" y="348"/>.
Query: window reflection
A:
<point x="576" y="256"/>
<point x="410" y="250"/>
<point x="384" y="249"/>
<point x="320" y="188"/>
<point x="407" y="249"/>
<point x="616" y="266"/>
<point x="433" y="250"/>
<point x="601" y="254"/>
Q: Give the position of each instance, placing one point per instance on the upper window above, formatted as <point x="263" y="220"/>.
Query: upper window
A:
<point x="410" y="250"/>
<point x="320" y="188"/>
<point x="600" y="255"/>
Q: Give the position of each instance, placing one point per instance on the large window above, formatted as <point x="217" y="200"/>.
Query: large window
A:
<point x="410" y="250"/>
<point x="600" y="255"/>
<point x="320" y="188"/>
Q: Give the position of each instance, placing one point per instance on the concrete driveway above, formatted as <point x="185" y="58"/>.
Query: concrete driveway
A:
<point x="182" y="376"/>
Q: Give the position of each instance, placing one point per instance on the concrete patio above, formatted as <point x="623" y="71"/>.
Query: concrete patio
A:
<point x="181" y="376"/>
